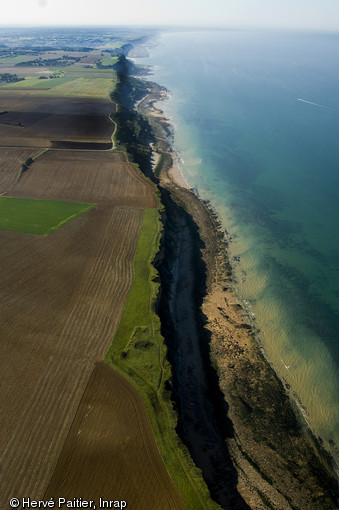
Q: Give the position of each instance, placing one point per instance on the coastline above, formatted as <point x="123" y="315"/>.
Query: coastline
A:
<point x="262" y="415"/>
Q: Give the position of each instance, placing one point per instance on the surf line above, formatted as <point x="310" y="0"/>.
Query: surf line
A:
<point x="316" y="104"/>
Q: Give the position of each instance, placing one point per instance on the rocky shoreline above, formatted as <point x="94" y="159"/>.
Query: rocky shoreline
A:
<point x="279" y="464"/>
<point x="202" y="411"/>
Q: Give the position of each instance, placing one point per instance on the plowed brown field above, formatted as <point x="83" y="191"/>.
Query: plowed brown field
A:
<point x="10" y="164"/>
<point x="43" y="120"/>
<point x="89" y="176"/>
<point x="109" y="410"/>
<point x="61" y="298"/>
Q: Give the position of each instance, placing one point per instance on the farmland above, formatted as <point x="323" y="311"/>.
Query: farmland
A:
<point x="74" y="296"/>
<point x="11" y="161"/>
<point x="138" y="352"/>
<point x="38" y="216"/>
<point x="46" y="122"/>
<point x="103" y="177"/>
<point x="95" y="438"/>
<point x="107" y="61"/>
<point x="63" y="292"/>
<point x="64" y="86"/>
<point x="61" y="299"/>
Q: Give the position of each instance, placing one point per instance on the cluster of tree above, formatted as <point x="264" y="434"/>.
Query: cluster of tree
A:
<point x="36" y="50"/>
<point x="56" y="47"/>
<point x="50" y="62"/>
<point x="10" y="78"/>
<point x="26" y="165"/>
<point x="5" y="52"/>
<point x="10" y="52"/>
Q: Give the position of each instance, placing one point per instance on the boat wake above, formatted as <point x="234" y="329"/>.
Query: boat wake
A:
<point x="317" y="104"/>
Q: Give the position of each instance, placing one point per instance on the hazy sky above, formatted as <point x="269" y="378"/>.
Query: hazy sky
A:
<point x="318" y="14"/>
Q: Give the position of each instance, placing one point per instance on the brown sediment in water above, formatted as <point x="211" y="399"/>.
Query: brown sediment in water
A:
<point x="280" y="465"/>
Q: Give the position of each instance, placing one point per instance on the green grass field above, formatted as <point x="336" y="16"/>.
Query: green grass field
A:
<point x="33" y="82"/>
<point x="15" y="60"/>
<point x="66" y="86"/>
<point x="88" y="87"/>
<point x="40" y="217"/>
<point x="138" y="352"/>
<point x="112" y="45"/>
<point x="78" y="71"/>
<point x="72" y="81"/>
<point x="108" y="61"/>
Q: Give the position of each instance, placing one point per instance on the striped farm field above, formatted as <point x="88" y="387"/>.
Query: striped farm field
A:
<point x="67" y="86"/>
<point x="11" y="160"/>
<point x="112" y="414"/>
<point x="71" y="425"/>
<point x="61" y="298"/>
<point x="46" y="121"/>
<point x="91" y="176"/>
<point x="85" y="87"/>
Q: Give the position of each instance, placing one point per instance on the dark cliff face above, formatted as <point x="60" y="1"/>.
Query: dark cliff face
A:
<point x="203" y="424"/>
<point x="133" y="132"/>
<point x="202" y="413"/>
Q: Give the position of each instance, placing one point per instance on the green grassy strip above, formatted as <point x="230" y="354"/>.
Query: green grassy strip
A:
<point x="34" y="216"/>
<point x="165" y="162"/>
<point x="138" y="352"/>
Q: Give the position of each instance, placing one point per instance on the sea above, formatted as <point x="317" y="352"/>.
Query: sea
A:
<point x="256" y="131"/>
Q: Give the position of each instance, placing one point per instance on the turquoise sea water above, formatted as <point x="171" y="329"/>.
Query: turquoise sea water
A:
<point x="256" y="119"/>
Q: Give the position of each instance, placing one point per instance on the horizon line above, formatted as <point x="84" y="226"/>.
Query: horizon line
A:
<point x="170" y="27"/>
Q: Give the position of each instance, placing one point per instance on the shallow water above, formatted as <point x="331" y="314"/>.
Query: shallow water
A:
<point x="256" y="120"/>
